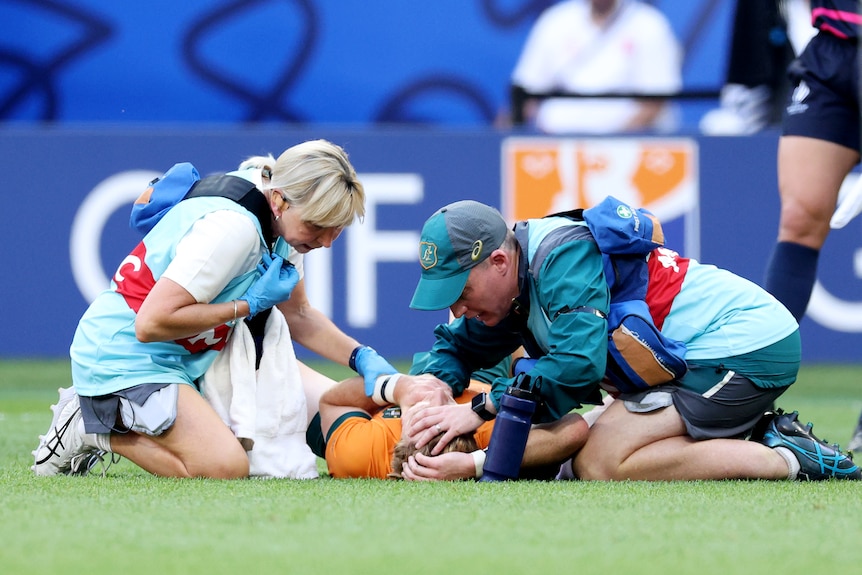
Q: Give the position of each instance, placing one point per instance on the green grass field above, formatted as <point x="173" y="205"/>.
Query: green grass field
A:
<point x="131" y="523"/>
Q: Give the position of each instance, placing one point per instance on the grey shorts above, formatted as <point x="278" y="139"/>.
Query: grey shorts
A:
<point x="729" y="410"/>
<point x="150" y="409"/>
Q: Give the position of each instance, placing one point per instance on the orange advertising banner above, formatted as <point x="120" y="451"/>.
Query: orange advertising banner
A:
<point x="546" y="175"/>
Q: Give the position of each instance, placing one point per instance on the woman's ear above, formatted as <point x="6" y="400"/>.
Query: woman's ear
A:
<point x="277" y="202"/>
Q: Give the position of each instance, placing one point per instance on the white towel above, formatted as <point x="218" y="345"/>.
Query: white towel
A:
<point x="266" y="406"/>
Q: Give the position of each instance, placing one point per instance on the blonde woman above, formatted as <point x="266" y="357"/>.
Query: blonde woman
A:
<point x="143" y="344"/>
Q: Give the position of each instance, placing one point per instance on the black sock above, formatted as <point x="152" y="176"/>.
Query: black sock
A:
<point x="790" y="275"/>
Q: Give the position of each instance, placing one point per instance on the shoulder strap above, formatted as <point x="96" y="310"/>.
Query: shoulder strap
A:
<point x="241" y="191"/>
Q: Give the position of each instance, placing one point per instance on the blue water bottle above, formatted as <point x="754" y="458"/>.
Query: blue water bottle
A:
<point x="511" y="428"/>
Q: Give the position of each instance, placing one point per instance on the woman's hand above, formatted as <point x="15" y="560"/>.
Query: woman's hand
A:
<point x="277" y="280"/>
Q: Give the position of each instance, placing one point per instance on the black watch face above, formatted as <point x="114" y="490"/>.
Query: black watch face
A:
<point x="479" y="407"/>
<point x="479" y="403"/>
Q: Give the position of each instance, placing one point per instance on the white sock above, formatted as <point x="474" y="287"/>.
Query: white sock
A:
<point x="792" y="462"/>
<point x="566" y="473"/>
<point x="98" y="440"/>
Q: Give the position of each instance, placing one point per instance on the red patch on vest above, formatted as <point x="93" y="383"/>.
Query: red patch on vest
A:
<point x="135" y="281"/>
<point x="666" y="273"/>
<point x="133" y="278"/>
<point x="215" y="338"/>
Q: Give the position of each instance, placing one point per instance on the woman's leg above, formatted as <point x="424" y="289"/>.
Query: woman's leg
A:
<point x="198" y="444"/>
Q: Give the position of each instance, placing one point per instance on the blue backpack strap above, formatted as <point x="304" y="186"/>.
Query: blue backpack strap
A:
<point x="639" y="355"/>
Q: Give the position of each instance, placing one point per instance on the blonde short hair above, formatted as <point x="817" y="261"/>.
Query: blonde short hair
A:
<point x="317" y="177"/>
<point x="404" y="449"/>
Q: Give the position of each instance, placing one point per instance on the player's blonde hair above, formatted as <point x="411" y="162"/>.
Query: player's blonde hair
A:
<point x="317" y="177"/>
<point x="405" y="448"/>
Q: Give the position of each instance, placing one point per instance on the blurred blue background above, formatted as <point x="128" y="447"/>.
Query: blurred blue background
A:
<point x="300" y="61"/>
<point x="98" y="97"/>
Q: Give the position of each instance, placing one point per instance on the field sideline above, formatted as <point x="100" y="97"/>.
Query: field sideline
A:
<point x="132" y="523"/>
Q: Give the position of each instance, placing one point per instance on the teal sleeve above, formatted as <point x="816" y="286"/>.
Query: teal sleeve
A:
<point x="485" y="375"/>
<point x="464" y="347"/>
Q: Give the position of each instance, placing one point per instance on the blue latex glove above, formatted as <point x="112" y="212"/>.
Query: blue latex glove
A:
<point x="277" y="280"/>
<point x="371" y="365"/>
<point x="523" y="365"/>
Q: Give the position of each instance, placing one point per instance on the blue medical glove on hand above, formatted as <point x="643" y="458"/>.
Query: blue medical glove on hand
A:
<point x="277" y="280"/>
<point x="370" y="365"/>
<point x="523" y="365"/>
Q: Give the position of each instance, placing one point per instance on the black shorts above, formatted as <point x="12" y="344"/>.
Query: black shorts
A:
<point x="824" y="100"/>
<point x="728" y="411"/>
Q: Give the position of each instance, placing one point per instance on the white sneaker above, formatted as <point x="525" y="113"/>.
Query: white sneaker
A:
<point x="64" y="440"/>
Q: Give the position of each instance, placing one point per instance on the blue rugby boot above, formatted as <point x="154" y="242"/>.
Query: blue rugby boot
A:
<point x="817" y="459"/>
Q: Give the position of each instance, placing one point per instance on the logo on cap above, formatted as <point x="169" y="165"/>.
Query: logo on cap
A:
<point x="476" y="251"/>
<point x="427" y="255"/>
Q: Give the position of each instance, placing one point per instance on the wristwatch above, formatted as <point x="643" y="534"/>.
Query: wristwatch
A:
<point x="478" y="406"/>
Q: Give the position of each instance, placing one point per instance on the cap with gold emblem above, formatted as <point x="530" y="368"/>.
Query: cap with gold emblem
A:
<point x="454" y="240"/>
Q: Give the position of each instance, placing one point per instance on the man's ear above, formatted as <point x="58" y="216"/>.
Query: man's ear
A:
<point x="500" y="259"/>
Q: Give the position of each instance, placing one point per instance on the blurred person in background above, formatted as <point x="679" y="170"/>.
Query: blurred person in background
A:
<point x="766" y="35"/>
<point x="819" y="146"/>
<point x="144" y="343"/>
<point x="598" y="47"/>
